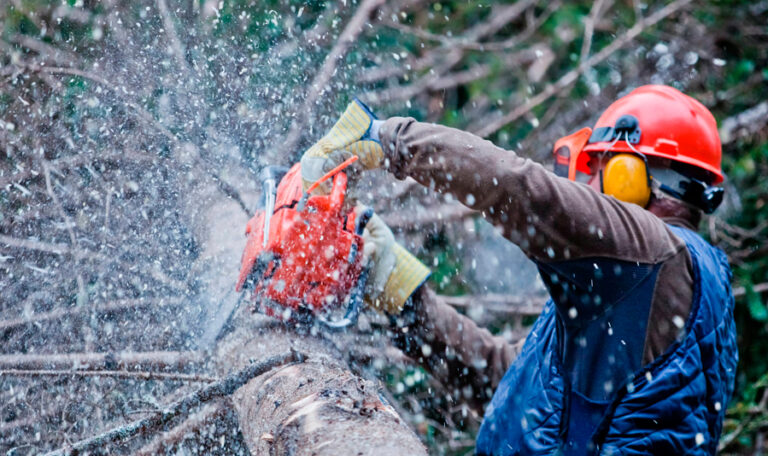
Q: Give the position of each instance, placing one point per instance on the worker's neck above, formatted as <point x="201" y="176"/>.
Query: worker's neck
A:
<point x="675" y="212"/>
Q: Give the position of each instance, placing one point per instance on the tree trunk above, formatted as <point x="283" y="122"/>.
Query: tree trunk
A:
<point x="318" y="407"/>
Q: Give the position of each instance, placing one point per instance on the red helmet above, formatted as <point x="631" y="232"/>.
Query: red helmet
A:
<point x="658" y="121"/>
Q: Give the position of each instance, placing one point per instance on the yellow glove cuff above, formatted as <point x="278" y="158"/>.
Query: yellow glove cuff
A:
<point x="370" y="153"/>
<point x="406" y="276"/>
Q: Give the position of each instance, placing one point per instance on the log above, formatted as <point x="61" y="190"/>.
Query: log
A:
<point x="156" y="360"/>
<point x="135" y="375"/>
<point x="318" y="407"/>
<point x="500" y="304"/>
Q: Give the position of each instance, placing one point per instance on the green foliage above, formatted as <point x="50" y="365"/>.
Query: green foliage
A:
<point x="441" y="256"/>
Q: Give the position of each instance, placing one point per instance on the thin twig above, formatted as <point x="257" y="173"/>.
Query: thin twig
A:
<point x="139" y="375"/>
<point x="570" y="77"/>
<point x="191" y="425"/>
<point x="173" y="37"/>
<point x="224" y="387"/>
<point x="82" y="294"/>
<point x="320" y="83"/>
<point x="589" y="28"/>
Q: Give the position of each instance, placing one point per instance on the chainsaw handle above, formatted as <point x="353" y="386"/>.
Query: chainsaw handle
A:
<point x="354" y="307"/>
<point x="357" y="293"/>
<point x="362" y="219"/>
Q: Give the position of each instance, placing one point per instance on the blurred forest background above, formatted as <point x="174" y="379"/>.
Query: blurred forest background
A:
<point x="116" y="114"/>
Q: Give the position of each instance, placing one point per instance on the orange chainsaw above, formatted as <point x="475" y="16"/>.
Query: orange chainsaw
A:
<point x="303" y="257"/>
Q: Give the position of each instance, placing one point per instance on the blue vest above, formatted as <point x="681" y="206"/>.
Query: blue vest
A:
<point x="674" y="405"/>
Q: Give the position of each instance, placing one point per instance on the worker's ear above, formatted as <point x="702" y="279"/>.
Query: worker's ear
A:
<point x="568" y="154"/>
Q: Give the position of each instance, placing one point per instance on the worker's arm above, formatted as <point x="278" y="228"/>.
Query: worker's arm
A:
<point x="464" y="357"/>
<point x="549" y="217"/>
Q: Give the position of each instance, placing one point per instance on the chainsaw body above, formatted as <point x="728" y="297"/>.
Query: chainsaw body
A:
<point x="311" y="257"/>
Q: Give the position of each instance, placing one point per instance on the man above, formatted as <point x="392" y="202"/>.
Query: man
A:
<point x="636" y="351"/>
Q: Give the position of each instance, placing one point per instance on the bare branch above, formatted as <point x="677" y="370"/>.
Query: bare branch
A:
<point x="75" y="161"/>
<point x="746" y="124"/>
<point x="441" y="81"/>
<point x="141" y="113"/>
<point x="515" y="40"/>
<point x="444" y="213"/>
<point x="224" y="387"/>
<point x="82" y="294"/>
<point x="570" y="77"/>
<point x="33" y="244"/>
<point x="173" y="37"/>
<point x="47" y="247"/>
<point x="45" y="50"/>
<point x="191" y="425"/>
<point x="589" y="28"/>
<point x="499" y="18"/>
<point x="758" y="288"/>
<point x="455" y="47"/>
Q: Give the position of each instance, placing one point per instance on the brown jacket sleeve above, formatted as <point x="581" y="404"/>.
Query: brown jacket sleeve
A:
<point x="550" y="218"/>
<point x="464" y="357"/>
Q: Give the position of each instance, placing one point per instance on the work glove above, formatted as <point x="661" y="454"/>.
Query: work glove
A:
<point x="395" y="274"/>
<point x="355" y="133"/>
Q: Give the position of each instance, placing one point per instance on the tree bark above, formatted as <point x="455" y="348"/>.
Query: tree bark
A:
<point x="318" y="407"/>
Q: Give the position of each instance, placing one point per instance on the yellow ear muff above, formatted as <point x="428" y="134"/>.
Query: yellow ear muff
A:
<point x="625" y="177"/>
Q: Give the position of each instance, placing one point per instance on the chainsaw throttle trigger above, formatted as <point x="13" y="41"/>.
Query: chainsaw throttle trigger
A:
<point x="360" y="223"/>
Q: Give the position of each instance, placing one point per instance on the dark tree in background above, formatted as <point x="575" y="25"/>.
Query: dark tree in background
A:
<point x="131" y="133"/>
